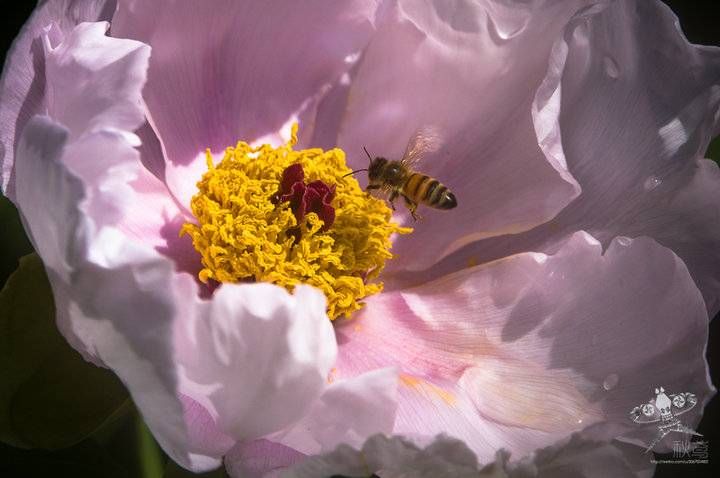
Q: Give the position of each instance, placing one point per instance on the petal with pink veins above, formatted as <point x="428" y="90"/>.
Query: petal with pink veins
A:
<point x="470" y="70"/>
<point x="238" y="70"/>
<point x="261" y="459"/>
<point x="203" y="430"/>
<point x="522" y="351"/>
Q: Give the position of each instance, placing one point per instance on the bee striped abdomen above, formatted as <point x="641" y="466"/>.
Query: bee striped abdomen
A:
<point x="413" y="186"/>
<point x="430" y="188"/>
<point x="424" y="189"/>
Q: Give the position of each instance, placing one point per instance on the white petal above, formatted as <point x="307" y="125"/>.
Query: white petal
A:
<point x="94" y="81"/>
<point x="256" y="356"/>
<point x="22" y="87"/>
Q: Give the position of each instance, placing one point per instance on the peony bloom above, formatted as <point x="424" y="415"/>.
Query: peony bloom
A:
<point x="576" y="274"/>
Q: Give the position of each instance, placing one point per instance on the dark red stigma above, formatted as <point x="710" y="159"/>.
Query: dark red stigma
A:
<point x="305" y="198"/>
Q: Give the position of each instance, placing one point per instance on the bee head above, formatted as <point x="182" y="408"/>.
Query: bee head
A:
<point x="376" y="167"/>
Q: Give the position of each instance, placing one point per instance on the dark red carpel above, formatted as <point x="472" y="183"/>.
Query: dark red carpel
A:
<point x="306" y="198"/>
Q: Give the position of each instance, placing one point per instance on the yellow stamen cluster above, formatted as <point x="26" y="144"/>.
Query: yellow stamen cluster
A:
<point x="242" y="235"/>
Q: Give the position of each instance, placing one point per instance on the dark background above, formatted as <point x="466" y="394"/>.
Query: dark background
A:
<point x="701" y="25"/>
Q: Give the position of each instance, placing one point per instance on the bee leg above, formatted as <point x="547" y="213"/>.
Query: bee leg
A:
<point x="392" y="198"/>
<point x="412" y="207"/>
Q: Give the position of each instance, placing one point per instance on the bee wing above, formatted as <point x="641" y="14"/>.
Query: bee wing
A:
<point x="382" y="192"/>
<point x="425" y="140"/>
<point x="638" y="416"/>
<point x="689" y="404"/>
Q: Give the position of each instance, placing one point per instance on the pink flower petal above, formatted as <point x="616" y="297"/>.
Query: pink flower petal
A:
<point x="260" y="459"/>
<point x="203" y="430"/>
<point x="658" y="102"/>
<point x="683" y="214"/>
<point x="121" y="192"/>
<point x="481" y="350"/>
<point x="93" y="82"/>
<point x="238" y="70"/>
<point x="79" y="69"/>
<point x="634" y="144"/>
<point x="23" y="78"/>
<point x="470" y="70"/>
<point x="349" y="412"/>
<point x="95" y="148"/>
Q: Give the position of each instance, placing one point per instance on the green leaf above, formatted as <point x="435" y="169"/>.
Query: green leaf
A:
<point x="713" y="151"/>
<point x="86" y="459"/>
<point x="13" y="241"/>
<point x="151" y="462"/>
<point x="50" y="397"/>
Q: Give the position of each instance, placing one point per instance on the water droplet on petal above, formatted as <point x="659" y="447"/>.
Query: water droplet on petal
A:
<point x="624" y="241"/>
<point x="611" y="67"/>
<point x="352" y="58"/>
<point x="652" y="182"/>
<point x="611" y="381"/>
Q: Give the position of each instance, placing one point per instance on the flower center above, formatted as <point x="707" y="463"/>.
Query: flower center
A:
<point x="290" y="217"/>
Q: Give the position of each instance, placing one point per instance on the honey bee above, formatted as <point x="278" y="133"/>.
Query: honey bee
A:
<point x="398" y="178"/>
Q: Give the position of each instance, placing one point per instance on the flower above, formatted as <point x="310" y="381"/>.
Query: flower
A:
<point x="587" y="221"/>
<point x="257" y="220"/>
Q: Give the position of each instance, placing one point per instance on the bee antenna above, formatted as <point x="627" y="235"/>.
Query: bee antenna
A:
<point x="368" y="154"/>
<point x="353" y="172"/>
